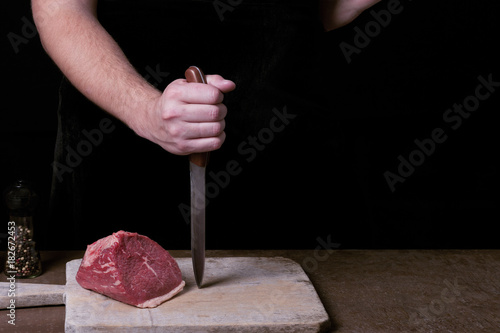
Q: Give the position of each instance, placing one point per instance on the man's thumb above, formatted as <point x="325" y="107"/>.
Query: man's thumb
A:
<point x="220" y="83"/>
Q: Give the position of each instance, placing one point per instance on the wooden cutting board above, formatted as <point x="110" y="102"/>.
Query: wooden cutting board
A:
<point x="239" y="294"/>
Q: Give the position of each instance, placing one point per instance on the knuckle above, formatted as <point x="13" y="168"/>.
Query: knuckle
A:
<point x="215" y="112"/>
<point x="174" y="91"/>
<point x="218" y="112"/>
<point x="223" y="110"/>
<point x="214" y="95"/>
<point x="175" y="131"/>
<point x="217" y="143"/>
<point x="165" y="114"/>
<point x="216" y="129"/>
<point x="170" y="113"/>
<point x="221" y="125"/>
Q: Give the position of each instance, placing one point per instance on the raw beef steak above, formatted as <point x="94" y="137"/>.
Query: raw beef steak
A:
<point x="130" y="268"/>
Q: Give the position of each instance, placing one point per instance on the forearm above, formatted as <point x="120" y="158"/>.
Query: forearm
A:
<point x="92" y="61"/>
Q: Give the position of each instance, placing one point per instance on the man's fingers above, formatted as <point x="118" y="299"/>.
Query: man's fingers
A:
<point x="198" y="145"/>
<point x="208" y="144"/>
<point x="193" y="115"/>
<point x="203" y="130"/>
<point x="198" y="113"/>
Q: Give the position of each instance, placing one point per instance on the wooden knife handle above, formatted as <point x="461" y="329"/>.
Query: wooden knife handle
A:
<point x="194" y="74"/>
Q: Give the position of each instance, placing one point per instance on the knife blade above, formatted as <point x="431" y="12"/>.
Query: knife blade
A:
<point x="197" y="165"/>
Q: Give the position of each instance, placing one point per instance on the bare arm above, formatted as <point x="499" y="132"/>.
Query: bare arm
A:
<point x="84" y="51"/>
<point x="184" y="118"/>
<point x="337" y="13"/>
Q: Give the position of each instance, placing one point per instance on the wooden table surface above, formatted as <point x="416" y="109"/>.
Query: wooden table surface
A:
<point x="362" y="290"/>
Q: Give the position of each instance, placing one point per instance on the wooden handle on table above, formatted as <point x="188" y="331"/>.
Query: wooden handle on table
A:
<point x="194" y="74"/>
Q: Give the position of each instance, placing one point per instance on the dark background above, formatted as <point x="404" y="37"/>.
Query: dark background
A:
<point x="394" y="91"/>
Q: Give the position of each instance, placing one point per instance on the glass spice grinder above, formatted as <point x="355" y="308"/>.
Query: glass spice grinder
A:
<point x="23" y="259"/>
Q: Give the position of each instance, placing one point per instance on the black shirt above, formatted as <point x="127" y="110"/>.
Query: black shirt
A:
<point x="275" y="182"/>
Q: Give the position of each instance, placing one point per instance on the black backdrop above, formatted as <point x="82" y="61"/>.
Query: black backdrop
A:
<point x="394" y="90"/>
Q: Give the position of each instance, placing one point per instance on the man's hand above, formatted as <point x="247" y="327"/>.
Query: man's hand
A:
<point x="187" y="117"/>
<point x="337" y="13"/>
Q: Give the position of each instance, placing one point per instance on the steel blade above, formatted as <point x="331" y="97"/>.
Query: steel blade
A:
<point x="198" y="221"/>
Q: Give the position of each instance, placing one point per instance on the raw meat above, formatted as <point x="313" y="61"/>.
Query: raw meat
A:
<point x="130" y="268"/>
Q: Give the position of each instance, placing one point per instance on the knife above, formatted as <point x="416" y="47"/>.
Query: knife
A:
<point x="197" y="165"/>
